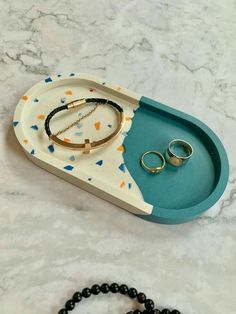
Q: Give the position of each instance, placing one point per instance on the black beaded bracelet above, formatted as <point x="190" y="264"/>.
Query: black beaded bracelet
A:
<point x="115" y="288"/>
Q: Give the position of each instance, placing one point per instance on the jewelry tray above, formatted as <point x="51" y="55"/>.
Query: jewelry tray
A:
<point x="113" y="172"/>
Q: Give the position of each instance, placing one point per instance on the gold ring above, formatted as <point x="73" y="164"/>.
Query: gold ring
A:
<point x="153" y="169"/>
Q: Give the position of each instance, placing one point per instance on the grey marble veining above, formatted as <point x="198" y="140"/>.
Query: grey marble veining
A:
<point x="56" y="238"/>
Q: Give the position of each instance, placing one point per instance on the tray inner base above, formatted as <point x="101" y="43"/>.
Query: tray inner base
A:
<point x="173" y="188"/>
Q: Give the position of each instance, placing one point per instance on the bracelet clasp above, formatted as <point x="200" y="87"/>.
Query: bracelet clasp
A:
<point x="76" y="103"/>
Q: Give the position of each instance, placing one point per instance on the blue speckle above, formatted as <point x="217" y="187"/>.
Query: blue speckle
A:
<point x="78" y="133"/>
<point x="58" y="75"/>
<point x="69" y="167"/>
<point x="79" y="125"/>
<point x="99" y="162"/>
<point x="15" y="123"/>
<point x="36" y="100"/>
<point x="63" y="100"/>
<point x="124" y="133"/>
<point x="130" y="185"/>
<point x="72" y="74"/>
<point x="51" y="148"/>
<point x="90" y="179"/>
<point x="122" y="167"/>
<point x="32" y="152"/>
<point x="109" y="126"/>
<point x="34" y="127"/>
<point x="48" y="80"/>
<point x="72" y="158"/>
<point x="104" y="83"/>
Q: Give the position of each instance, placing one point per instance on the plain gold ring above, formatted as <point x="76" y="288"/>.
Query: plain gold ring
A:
<point x="153" y="170"/>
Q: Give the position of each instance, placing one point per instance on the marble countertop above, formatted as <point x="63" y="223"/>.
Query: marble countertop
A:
<point x="56" y="238"/>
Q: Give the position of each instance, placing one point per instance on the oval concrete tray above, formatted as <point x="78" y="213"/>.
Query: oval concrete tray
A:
<point x="114" y="172"/>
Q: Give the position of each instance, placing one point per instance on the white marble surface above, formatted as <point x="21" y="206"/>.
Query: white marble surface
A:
<point x="55" y="238"/>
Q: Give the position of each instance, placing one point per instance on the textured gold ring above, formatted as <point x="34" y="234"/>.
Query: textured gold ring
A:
<point x="153" y="170"/>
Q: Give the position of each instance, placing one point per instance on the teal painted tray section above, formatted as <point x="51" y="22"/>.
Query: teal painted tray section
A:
<point x="177" y="194"/>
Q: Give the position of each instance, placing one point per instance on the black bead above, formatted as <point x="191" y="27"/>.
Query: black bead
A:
<point x="86" y="293"/>
<point x="156" y="311"/>
<point x="105" y="288"/>
<point x="149" y="304"/>
<point x="95" y="289"/>
<point x="137" y="312"/>
<point x="70" y="304"/>
<point x="77" y="297"/>
<point x="175" y="312"/>
<point x="145" y="311"/>
<point x="63" y="311"/>
<point x="165" y="311"/>
<point x="132" y="293"/>
<point x="114" y="288"/>
<point x="124" y="289"/>
<point x="141" y="297"/>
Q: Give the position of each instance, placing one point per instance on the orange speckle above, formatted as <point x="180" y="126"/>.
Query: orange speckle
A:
<point x="122" y="184"/>
<point x="67" y="140"/>
<point x="118" y="89"/>
<point x="24" y="97"/>
<point x="121" y="148"/>
<point x="41" y="116"/>
<point x="97" y="125"/>
<point x="68" y="92"/>
<point x="26" y="141"/>
<point x="128" y="118"/>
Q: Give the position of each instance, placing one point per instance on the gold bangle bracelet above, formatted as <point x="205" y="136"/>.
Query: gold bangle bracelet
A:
<point x="88" y="145"/>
